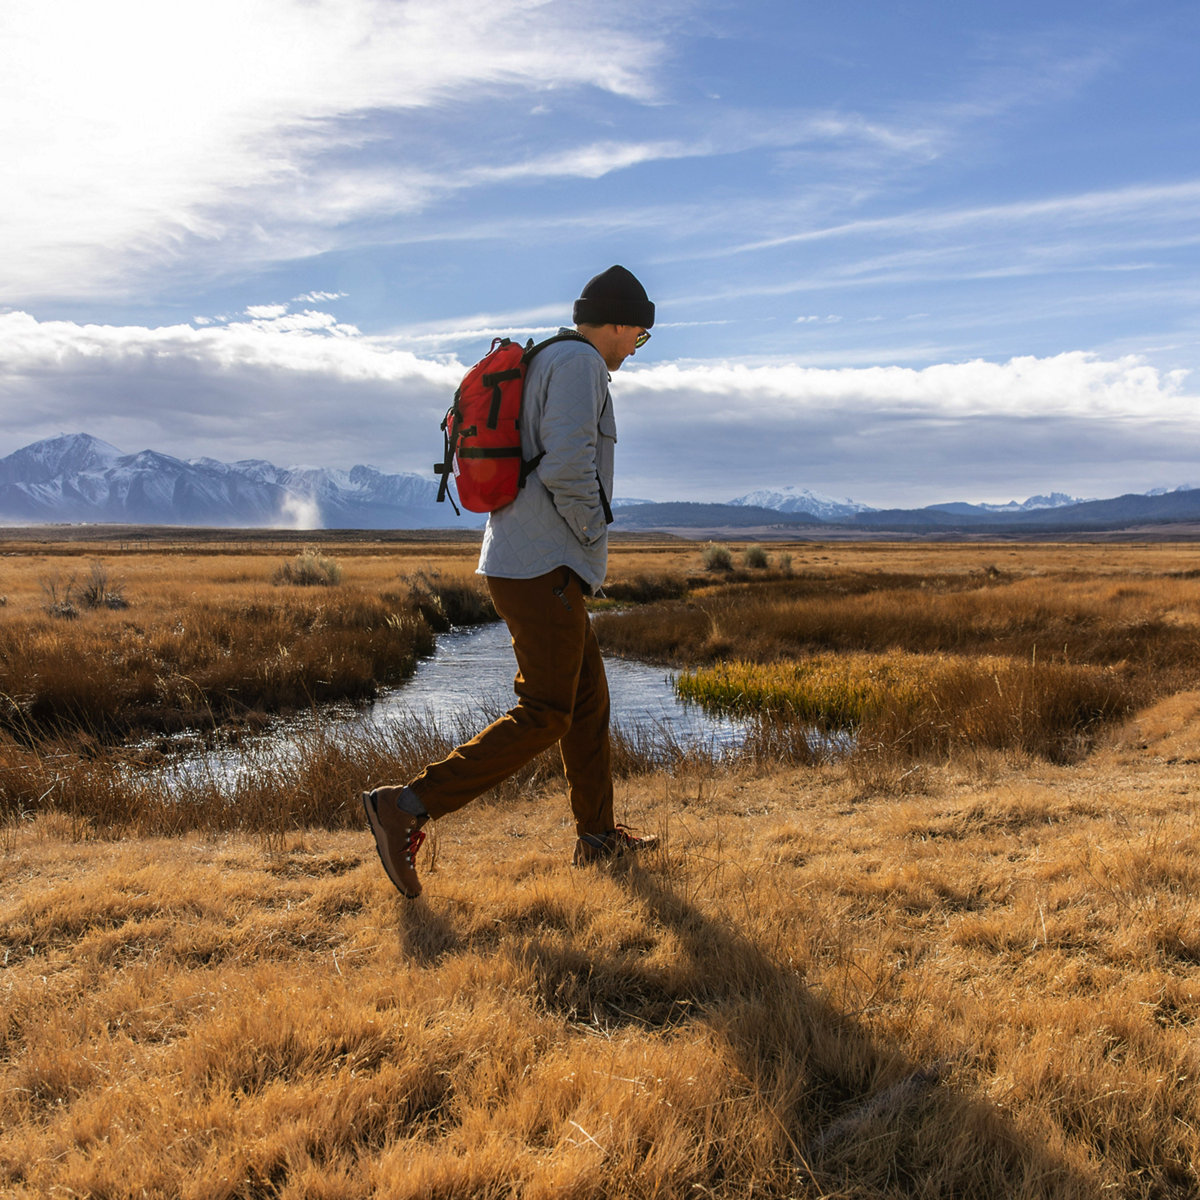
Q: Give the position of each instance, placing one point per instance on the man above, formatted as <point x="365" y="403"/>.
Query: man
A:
<point x="541" y="554"/>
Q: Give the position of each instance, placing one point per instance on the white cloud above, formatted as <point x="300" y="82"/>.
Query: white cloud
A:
<point x="896" y="435"/>
<point x="1074" y="384"/>
<point x="134" y="130"/>
<point x="301" y="388"/>
<point x="291" y="389"/>
<point x="318" y="297"/>
<point x="480" y="328"/>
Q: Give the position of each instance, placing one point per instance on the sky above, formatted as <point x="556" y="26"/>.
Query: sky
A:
<point x="903" y="253"/>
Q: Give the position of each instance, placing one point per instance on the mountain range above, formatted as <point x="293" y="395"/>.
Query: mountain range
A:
<point x="77" y="478"/>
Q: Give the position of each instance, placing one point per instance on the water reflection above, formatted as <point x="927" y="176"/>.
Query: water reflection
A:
<point x="473" y="670"/>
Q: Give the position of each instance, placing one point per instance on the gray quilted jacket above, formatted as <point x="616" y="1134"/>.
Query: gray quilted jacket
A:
<point x="557" y="519"/>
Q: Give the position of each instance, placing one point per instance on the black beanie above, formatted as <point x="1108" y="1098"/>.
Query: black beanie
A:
<point x="614" y="297"/>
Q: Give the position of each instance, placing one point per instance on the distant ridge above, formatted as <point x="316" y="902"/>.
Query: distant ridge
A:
<point x="685" y="514"/>
<point x="1120" y="512"/>
<point x="1083" y="516"/>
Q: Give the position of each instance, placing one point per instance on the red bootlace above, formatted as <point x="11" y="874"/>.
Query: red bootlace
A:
<point x="415" y="838"/>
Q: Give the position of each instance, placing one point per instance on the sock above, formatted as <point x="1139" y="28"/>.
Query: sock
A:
<point x="408" y="801"/>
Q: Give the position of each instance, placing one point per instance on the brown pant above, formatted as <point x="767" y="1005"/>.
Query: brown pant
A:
<point x="562" y="696"/>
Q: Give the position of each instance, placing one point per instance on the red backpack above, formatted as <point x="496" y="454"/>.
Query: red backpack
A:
<point x="482" y="429"/>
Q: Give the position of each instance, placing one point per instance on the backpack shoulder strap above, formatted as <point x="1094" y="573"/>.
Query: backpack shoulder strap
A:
<point x="571" y="335"/>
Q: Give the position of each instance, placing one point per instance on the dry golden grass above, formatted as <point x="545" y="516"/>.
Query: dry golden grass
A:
<point x="977" y="978"/>
<point x="213" y="639"/>
<point x="1150" y="622"/>
<point x="214" y="632"/>
<point x="987" y="990"/>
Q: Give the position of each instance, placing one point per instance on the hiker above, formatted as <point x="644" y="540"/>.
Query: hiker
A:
<point x="541" y="555"/>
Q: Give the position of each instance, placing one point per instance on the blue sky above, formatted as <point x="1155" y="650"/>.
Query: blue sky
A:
<point x="903" y="253"/>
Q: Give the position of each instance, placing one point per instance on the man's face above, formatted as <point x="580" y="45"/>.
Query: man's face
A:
<point x="624" y="344"/>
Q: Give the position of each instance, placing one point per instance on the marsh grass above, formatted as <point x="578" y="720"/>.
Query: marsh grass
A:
<point x="926" y="665"/>
<point x="922" y="704"/>
<point x="447" y="601"/>
<point x="645" y="587"/>
<point x="1152" y="623"/>
<point x="117" y="676"/>
<point x="298" y="774"/>
<point x="182" y="662"/>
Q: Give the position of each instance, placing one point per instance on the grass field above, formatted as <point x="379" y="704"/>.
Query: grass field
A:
<point x="960" y="967"/>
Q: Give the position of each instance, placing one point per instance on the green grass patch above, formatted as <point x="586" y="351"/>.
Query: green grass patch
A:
<point x="922" y="703"/>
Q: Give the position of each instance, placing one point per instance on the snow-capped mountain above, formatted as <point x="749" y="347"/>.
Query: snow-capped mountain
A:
<point x="1167" y="491"/>
<point x="1033" y="504"/>
<point x="54" y="458"/>
<point x="1053" y="500"/>
<point x="827" y="508"/>
<point x="77" y="477"/>
<point x="801" y="500"/>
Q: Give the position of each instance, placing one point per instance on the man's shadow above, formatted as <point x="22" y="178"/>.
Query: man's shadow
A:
<point x="857" y="1117"/>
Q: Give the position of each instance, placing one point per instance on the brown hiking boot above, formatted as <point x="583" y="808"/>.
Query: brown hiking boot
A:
<point x="616" y="843"/>
<point x="398" y="837"/>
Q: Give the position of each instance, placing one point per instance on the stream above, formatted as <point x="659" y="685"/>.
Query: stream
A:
<point x="459" y="689"/>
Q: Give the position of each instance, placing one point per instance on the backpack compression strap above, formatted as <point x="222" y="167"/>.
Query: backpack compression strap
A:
<point x="446" y="467"/>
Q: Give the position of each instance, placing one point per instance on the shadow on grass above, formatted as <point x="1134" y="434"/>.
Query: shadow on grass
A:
<point x="426" y="935"/>
<point x="856" y="1116"/>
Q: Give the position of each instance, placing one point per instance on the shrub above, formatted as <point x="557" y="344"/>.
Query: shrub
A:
<point x="755" y="557"/>
<point x="717" y="558"/>
<point x="59" y="600"/>
<point x="102" y="592"/>
<point x="309" y="569"/>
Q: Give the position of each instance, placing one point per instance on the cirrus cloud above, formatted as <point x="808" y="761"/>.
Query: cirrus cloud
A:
<point x="140" y="134"/>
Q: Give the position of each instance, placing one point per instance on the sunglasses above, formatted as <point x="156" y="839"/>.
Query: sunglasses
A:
<point x="641" y="339"/>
